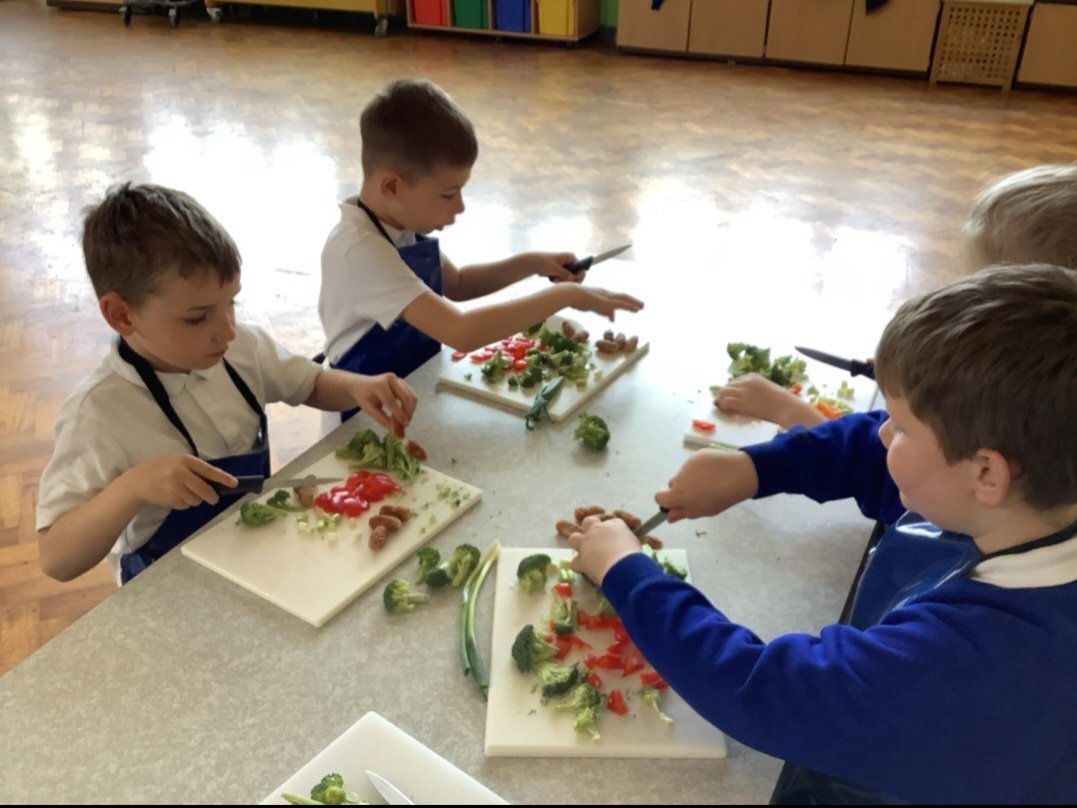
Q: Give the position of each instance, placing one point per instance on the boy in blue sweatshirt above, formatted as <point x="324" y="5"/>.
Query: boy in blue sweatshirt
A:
<point x="952" y="683"/>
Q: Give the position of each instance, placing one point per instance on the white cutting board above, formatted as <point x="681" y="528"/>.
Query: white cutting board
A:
<point x="374" y="744"/>
<point x="736" y="430"/>
<point x="453" y="374"/>
<point x="519" y="725"/>
<point x="311" y="576"/>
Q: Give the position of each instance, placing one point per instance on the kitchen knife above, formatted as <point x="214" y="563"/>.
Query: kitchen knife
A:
<point x="856" y="367"/>
<point x="586" y="263"/>
<point x="256" y="484"/>
<point x="390" y="793"/>
<point x="651" y="524"/>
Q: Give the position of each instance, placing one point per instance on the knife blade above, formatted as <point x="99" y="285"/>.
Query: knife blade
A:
<point x="586" y="263"/>
<point x="256" y="484"/>
<point x="651" y="524"/>
<point x="390" y="793"/>
<point x="856" y="367"/>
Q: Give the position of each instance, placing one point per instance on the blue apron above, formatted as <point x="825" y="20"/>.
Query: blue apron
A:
<point x="401" y="348"/>
<point x="912" y="558"/>
<point x="179" y="524"/>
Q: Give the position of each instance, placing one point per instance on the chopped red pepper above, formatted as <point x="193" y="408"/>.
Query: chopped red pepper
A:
<point x="795" y="389"/>
<point x="609" y="662"/>
<point x="653" y="679"/>
<point x="458" y="355"/>
<point x="563" y="589"/>
<point x="590" y="661"/>
<point x="615" y="703"/>
<point x="594" y="680"/>
<point x="702" y="426"/>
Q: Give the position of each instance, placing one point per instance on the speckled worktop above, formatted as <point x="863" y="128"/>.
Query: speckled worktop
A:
<point x="183" y="687"/>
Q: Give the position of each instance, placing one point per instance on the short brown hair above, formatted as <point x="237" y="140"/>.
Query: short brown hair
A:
<point x="990" y="362"/>
<point x="1026" y="217"/>
<point x="139" y="234"/>
<point x="414" y="128"/>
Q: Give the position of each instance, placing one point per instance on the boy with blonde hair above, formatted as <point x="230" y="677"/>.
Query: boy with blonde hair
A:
<point x="387" y="292"/>
<point x="952" y="681"/>
<point x="1025" y="217"/>
<point x="177" y="409"/>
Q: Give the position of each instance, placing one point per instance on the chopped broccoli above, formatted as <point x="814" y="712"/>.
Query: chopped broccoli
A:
<point x="399" y="596"/>
<point x="557" y="342"/>
<point x="439" y="577"/>
<point x="493" y="370"/>
<point x="428" y="559"/>
<point x="563" y="614"/>
<point x="565" y="573"/>
<point x="367" y="450"/>
<point x="255" y="514"/>
<point x="784" y="370"/>
<point x="527" y="378"/>
<point x="672" y="569"/>
<point x="281" y="500"/>
<point x="592" y="432"/>
<point x="462" y="561"/>
<point x="558" y="679"/>
<point x="586" y="701"/>
<point x="532" y="572"/>
<point x="330" y="791"/>
<point x="653" y="697"/>
<point x="530" y="650"/>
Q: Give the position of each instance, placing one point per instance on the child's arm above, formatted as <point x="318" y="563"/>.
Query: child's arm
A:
<point x="467" y="330"/>
<point x="709" y="482"/>
<point x="82" y="537"/>
<point x="386" y="398"/>
<point x="479" y="280"/>
<point x="755" y="396"/>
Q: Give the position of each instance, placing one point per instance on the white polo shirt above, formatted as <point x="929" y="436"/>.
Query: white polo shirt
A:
<point x="111" y="423"/>
<point x="364" y="279"/>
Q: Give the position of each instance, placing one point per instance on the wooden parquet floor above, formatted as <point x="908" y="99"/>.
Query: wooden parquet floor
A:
<point x="845" y="187"/>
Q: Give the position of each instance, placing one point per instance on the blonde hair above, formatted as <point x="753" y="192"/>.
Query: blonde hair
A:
<point x="990" y="362"/>
<point x="1026" y="217"/>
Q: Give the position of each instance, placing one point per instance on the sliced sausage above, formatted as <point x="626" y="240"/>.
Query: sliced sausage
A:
<point x="390" y="523"/>
<point x="588" y="510"/>
<point x="607" y="346"/>
<point x="397" y="511"/>
<point x="415" y="450"/>
<point x="566" y="528"/>
<point x="378" y="537"/>
<point x="629" y="519"/>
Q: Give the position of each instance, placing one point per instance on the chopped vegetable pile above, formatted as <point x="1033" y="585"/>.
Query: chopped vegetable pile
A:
<point x="785" y="370"/>
<point x="367" y="450"/>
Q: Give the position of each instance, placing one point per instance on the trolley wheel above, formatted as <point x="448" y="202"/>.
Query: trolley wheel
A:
<point x="215" y="14"/>
<point x="381" y="28"/>
<point x="173" y="17"/>
<point x="125" y="14"/>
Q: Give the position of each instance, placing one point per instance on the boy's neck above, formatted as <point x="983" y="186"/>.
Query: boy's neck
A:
<point x="376" y="204"/>
<point x="1012" y="528"/>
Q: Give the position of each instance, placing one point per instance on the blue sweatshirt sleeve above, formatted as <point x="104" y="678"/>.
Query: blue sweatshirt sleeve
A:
<point x="918" y="706"/>
<point x="838" y="459"/>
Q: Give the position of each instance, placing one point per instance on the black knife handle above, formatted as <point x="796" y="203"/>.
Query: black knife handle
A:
<point x="247" y="485"/>
<point x="858" y="368"/>
<point x="580" y="264"/>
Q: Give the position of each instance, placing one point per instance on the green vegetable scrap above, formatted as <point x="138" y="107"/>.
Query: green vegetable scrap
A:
<point x="530" y="650"/>
<point x="652" y="697"/>
<point x="469" y="647"/>
<point x="558" y="679"/>
<point x="563" y="615"/>
<point x="592" y="432"/>
<point x="540" y="407"/>
<point x="367" y="451"/>
<point x="785" y="370"/>
<point x="455" y="569"/>
<point x="330" y="791"/>
<point x="428" y="560"/>
<point x="586" y="702"/>
<point x="846" y="391"/>
<point x="321" y="523"/>
<point x="532" y="572"/>
<point x="399" y="596"/>
<point x="255" y="514"/>
<point x="493" y="370"/>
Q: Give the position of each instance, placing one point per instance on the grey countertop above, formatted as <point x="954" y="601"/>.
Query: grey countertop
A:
<point x="185" y="688"/>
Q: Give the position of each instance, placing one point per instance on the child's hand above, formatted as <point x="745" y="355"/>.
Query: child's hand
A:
<point x="710" y="481"/>
<point x="387" y="399"/>
<point x="603" y="302"/>
<point x="599" y="545"/>
<point x="178" y="482"/>
<point x="552" y="265"/>
<point x="755" y="396"/>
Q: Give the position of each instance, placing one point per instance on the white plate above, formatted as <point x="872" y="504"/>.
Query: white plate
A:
<point x="374" y="744"/>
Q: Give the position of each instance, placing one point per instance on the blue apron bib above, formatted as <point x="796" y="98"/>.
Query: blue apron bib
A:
<point x="401" y="348"/>
<point x="179" y="524"/>
<point x="912" y="558"/>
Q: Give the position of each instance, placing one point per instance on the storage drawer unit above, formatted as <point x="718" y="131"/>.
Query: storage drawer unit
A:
<point x="728" y="27"/>
<point x="897" y="36"/>
<point x="665" y="28"/>
<point x="809" y="30"/>
<point x="1050" y="55"/>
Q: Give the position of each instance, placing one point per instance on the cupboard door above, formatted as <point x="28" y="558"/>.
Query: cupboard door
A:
<point x="898" y="36"/>
<point x="809" y="30"/>
<point x="728" y="27"/>
<point x="640" y="26"/>
<point x="1050" y="55"/>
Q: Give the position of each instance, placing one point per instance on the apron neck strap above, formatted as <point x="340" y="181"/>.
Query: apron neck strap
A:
<point x="1065" y="534"/>
<point x="375" y="220"/>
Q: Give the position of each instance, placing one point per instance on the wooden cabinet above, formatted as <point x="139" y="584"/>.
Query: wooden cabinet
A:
<point x="664" y="28"/>
<point x="728" y="27"/>
<point x="1050" y="55"/>
<point x="560" y="20"/>
<point x="809" y="30"/>
<point x="897" y="36"/>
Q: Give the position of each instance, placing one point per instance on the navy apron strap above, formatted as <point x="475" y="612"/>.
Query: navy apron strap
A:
<point x="376" y="221"/>
<point x="157" y="390"/>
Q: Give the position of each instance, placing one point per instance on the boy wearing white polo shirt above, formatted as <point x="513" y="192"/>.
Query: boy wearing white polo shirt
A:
<point x="386" y="287"/>
<point x="178" y="404"/>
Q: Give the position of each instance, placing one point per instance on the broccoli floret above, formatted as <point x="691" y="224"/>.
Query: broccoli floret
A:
<point x="281" y="500"/>
<point x="255" y="514"/>
<point x="493" y="370"/>
<point x="330" y="791"/>
<point x="558" y="679"/>
<point x="462" y="561"/>
<point x="563" y="613"/>
<point x="586" y="701"/>
<point x="672" y="569"/>
<point x="439" y="577"/>
<point x="530" y="650"/>
<point x="532" y="572"/>
<point x="556" y="342"/>
<point x="787" y="371"/>
<point x="565" y="573"/>
<point x="399" y="596"/>
<point x="397" y="459"/>
<point x="428" y="559"/>
<point x="653" y="697"/>
<point x="592" y="432"/>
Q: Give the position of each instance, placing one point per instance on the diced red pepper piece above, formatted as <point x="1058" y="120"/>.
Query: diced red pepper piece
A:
<point x="654" y="679"/>
<point x="615" y="703"/>
<point x="458" y="355"/>
<point x="702" y="426"/>
<point x="563" y="589"/>
<point x="609" y="662"/>
<point x="564" y="645"/>
<point x="576" y="641"/>
<point x="590" y="661"/>
<point x="594" y="680"/>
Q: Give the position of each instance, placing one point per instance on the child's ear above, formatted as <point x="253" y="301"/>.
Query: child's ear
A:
<point x="994" y="477"/>
<point x="117" y="313"/>
<point x="389" y="184"/>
